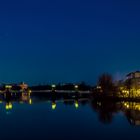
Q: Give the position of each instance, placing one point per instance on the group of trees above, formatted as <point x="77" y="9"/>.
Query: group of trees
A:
<point x="108" y="87"/>
<point x="106" y="83"/>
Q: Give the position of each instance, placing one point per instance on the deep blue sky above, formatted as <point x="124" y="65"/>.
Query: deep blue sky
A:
<point x="68" y="41"/>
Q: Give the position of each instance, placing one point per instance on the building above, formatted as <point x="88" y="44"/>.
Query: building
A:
<point x="133" y="79"/>
<point x="132" y="84"/>
<point x="13" y="87"/>
<point x="23" y="86"/>
<point x="133" y="75"/>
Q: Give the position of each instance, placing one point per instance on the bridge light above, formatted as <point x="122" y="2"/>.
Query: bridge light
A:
<point x="99" y="87"/>
<point x="53" y="86"/>
<point x="30" y="101"/>
<point x="76" y="86"/>
<point x="7" y="107"/>
<point x="76" y="104"/>
<point x="8" y="86"/>
<point x="30" y="91"/>
<point x="53" y="106"/>
<point x="10" y="106"/>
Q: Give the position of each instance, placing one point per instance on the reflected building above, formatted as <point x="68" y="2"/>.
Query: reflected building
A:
<point x="23" y="86"/>
<point x="133" y="117"/>
<point x="132" y="112"/>
<point x="25" y="97"/>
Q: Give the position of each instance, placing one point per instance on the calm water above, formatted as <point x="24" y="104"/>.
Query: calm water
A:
<point x="79" y="119"/>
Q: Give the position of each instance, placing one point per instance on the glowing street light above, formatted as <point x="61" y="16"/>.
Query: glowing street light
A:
<point x="53" y="86"/>
<point x="76" y="86"/>
<point x="8" y="86"/>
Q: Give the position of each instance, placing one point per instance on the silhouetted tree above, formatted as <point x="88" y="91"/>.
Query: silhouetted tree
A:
<point x="106" y="83"/>
<point x="105" y="110"/>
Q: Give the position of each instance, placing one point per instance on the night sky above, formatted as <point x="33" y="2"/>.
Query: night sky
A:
<point x="68" y="40"/>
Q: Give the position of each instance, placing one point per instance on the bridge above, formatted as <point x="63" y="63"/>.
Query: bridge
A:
<point x="61" y="91"/>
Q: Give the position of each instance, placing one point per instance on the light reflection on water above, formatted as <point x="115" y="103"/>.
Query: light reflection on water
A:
<point x="36" y="117"/>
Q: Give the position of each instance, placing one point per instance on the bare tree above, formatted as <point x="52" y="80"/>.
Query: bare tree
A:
<point x="106" y="83"/>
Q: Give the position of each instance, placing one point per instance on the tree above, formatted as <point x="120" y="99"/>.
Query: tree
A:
<point x="106" y="83"/>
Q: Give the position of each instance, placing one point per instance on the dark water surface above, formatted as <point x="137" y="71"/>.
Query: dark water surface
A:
<point x="59" y="120"/>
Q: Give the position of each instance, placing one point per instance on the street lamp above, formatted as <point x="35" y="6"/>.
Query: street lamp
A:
<point x="53" y="87"/>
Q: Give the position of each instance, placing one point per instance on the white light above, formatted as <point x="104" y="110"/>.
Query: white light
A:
<point x="53" y="86"/>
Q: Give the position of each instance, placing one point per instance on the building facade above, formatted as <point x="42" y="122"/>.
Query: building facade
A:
<point x="132" y="84"/>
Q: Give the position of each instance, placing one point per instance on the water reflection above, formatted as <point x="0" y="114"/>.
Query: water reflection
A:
<point x="105" y="110"/>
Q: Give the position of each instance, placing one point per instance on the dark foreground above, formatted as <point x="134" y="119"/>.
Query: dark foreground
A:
<point x="52" y="117"/>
